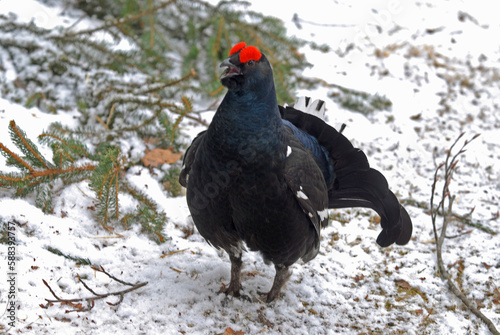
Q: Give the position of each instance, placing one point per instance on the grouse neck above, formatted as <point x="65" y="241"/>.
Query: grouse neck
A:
<point x="248" y="126"/>
<point x="252" y="110"/>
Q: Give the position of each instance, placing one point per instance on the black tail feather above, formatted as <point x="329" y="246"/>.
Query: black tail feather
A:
<point x="355" y="183"/>
<point x="406" y="227"/>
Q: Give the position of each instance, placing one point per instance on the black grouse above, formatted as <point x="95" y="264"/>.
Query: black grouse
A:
<point x="263" y="176"/>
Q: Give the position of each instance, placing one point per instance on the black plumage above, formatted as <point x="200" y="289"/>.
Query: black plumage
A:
<point x="264" y="176"/>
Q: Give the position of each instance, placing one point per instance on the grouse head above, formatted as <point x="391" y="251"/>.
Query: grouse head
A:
<point x="246" y="68"/>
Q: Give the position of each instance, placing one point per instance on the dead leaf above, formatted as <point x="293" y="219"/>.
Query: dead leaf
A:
<point x="264" y="320"/>
<point x="253" y="273"/>
<point x="76" y="306"/>
<point x="357" y="241"/>
<point x="381" y="53"/>
<point x="230" y="331"/>
<point x="496" y="293"/>
<point x="358" y="278"/>
<point x="402" y="283"/>
<point x="479" y="303"/>
<point x="416" y="117"/>
<point x="159" y="156"/>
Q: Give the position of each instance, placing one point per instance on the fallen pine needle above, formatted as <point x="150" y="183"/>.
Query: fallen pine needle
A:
<point x="172" y="253"/>
<point x="176" y="270"/>
<point x="113" y="236"/>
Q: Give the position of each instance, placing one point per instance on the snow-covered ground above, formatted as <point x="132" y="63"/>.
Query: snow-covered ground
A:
<point x="437" y="62"/>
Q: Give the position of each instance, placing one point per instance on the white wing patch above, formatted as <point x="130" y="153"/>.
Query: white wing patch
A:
<point x="323" y="214"/>
<point x="288" y="151"/>
<point x="316" y="108"/>
<point x="302" y="195"/>
<point x="182" y="170"/>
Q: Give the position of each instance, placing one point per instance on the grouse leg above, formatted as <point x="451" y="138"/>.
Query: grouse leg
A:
<point x="235" y="284"/>
<point x="282" y="275"/>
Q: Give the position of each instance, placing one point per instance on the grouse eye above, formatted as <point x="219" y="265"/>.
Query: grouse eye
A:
<point x="251" y="62"/>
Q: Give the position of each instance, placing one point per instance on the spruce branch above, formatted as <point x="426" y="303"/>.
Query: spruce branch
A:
<point x="68" y="149"/>
<point x="160" y="86"/>
<point x="77" y="260"/>
<point x="36" y="172"/>
<point x="106" y="175"/>
<point x="147" y="214"/>
<point x="445" y="205"/>
<point x="123" y="93"/>
<point x="32" y="155"/>
<point x="120" y="21"/>
<point x="187" y="109"/>
<point x="93" y="67"/>
<point x="105" y="182"/>
<point x="14" y="158"/>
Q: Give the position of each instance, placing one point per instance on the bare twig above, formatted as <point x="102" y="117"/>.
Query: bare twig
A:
<point x="466" y="219"/>
<point x="449" y="166"/>
<point x="76" y="303"/>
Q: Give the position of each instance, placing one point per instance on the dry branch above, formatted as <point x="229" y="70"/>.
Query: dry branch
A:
<point x="76" y="303"/>
<point x="449" y="166"/>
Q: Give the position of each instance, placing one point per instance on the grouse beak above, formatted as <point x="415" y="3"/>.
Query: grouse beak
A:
<point x="231" y="69"/>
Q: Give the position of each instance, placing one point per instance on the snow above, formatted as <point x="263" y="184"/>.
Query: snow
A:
<point x="351" y="286"/>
